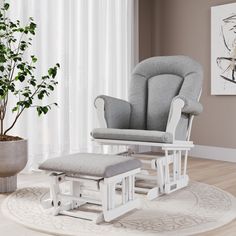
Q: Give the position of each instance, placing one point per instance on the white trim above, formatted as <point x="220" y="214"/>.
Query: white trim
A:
<point x="175" y="145"/>
<point x="174" y="115"/>
<point x="214" y="153"/>
<point x="100" y="108"/>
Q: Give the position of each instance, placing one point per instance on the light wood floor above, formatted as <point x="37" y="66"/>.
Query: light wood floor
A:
<point x="220" y="174"/>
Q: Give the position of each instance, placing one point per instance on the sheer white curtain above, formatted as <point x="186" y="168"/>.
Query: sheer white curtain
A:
<point x="95" y="42"/>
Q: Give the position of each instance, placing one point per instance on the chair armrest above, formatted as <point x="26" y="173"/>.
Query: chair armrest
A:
<point x="181" y="104"/>
<point x="190" y="106"/>
<point x="113" y="112"/>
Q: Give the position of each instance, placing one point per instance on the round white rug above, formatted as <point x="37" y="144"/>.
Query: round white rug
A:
<point x="197" y="208"/>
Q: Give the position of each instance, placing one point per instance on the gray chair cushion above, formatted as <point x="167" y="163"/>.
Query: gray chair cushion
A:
<point x="154" y="82"/>
<point x="190" y="106"/>
<point x="117" y="112"/>
<point x="133" y="135"/>
<point x="91" y="164"/>
<point x="161" y="90"/>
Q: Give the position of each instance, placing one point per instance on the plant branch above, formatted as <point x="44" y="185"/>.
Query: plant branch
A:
<point x="14" y="64"/>
<point x="14" y="122"/>
<point x="19" y="113"/>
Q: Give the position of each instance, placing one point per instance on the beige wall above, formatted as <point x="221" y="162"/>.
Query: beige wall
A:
<point x="149" y="28"/>
<point x="183" y="27"/>
<point x="145" y="28"/>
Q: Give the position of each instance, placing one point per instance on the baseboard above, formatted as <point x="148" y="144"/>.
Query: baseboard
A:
<point x="205" y="152"/>
<point x="214" y="153"/>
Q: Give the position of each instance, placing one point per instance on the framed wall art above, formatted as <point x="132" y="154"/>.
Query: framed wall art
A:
<point x="223" y="49"/>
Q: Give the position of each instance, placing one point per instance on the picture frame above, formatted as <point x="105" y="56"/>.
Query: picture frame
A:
<point x="223" y="49"/>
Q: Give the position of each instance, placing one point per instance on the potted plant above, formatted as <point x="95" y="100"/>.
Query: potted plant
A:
<point x="18" y="82"/>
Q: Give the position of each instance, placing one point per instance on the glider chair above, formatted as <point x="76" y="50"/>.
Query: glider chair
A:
<point x="163" y="99"/>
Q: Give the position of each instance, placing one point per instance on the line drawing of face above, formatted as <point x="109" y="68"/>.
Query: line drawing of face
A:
<point x="229" y="32"/>
<point x="228" y="63"/>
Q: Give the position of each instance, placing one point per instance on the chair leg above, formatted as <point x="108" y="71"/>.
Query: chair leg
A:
<point x="179" y="159"/>
<point x="174" y="166"/>
<point x="160" y="175"/>
<point x="179" y="178"/>
<point x="167" y="170"/>
<point x="185" y="162"/>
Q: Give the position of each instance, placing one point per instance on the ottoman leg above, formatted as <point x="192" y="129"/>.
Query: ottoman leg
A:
<point x="54" y="192"/>
<point x="110" y="210"/>
<point x="76" y="192"/>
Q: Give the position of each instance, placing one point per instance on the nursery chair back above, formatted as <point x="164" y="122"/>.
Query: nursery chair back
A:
<point x="154" y="84"/>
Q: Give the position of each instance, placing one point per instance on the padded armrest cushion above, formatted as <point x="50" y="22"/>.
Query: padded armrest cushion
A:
<point x="190" y="106"/>
<point x="117" y="112"/>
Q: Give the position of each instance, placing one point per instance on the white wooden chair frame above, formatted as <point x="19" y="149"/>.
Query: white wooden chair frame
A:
<point x="166" y="182"/>
<point x="63" y="202"/>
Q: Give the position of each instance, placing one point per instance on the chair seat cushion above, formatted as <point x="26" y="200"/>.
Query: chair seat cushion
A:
<point x="91" y="164"/>
<point x="132" y="135"/>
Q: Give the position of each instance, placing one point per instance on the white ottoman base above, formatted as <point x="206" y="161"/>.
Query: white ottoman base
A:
<point x="62" y="202"/>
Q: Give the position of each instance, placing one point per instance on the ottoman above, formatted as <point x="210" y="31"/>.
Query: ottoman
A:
<point x="96" y="172"/>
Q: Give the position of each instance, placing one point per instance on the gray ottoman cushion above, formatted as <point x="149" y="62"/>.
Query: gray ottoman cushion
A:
<point x="91" y="164"/>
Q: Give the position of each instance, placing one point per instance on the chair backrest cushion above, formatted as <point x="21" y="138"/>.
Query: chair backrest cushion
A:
<point x="155" y="82"/>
